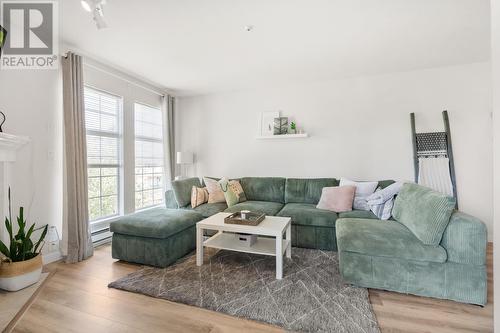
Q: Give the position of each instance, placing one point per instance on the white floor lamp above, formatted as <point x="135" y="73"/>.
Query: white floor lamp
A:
<point x="183" y="158"/>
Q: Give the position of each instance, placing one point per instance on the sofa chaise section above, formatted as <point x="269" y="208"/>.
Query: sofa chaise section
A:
<point x="386" y="255"/>
<point x="156" y="237"/>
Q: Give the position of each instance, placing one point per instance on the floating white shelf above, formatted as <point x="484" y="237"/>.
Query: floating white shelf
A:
<point x="9" y="145"/>
<point x="283" y="136"/>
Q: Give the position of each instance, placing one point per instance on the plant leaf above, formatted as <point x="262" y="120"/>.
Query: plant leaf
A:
<point x="8" y="226"/>
<point x="42" y="236"/>
<point x="20" y="222"/>
<point x="30" y="231"/>
<point x="4" y="250"/>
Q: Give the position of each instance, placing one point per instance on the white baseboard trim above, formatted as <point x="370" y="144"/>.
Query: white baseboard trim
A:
<point x="51" y="257"/>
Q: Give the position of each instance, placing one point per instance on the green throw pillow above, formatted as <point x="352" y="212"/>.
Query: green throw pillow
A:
<point x="424" y="211"/>
<point x="231" y="197"/>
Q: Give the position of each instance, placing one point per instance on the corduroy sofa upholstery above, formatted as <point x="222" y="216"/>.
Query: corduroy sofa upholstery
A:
<point x="156" y="237"/>
<point x="372" y="253"/>
<point x="386" y="255"/>
<point x="292" y="197"/>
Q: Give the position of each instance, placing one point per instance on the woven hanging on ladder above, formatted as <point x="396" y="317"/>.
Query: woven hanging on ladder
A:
<point x="433" y="158"/>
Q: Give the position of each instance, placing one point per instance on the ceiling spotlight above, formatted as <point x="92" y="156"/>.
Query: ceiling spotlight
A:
<point x="99" y="18"/>
<point x="96" y="8"/>
<point x="86" y="5"/>
<point x="248" y="28"/>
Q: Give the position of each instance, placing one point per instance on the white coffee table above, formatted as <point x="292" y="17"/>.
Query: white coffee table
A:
<point x="273" y="226"/>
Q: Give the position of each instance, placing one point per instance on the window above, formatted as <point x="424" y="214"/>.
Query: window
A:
<point x="103" y="123"/>
<point x="149" y="161"/>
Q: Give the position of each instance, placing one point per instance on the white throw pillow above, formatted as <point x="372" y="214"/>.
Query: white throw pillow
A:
<point x="363" y="191"/>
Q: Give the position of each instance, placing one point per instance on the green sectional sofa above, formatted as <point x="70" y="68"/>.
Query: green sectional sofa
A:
<point x="372" y="253"/>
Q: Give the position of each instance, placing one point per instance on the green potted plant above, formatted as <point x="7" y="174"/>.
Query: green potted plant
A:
<point x="22" y="262"/>
<point x="293" y="128"/>
<point x="3" y="38"/>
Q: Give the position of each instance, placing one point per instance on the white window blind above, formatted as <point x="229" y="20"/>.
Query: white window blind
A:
<point x="149" y="161"/>
<point x="104" y="138"/>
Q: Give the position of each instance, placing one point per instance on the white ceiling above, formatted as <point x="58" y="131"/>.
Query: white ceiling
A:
<point x="200" y="46"/>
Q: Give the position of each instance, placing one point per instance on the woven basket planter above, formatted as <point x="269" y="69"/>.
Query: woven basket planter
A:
<point x="15" y="276"/>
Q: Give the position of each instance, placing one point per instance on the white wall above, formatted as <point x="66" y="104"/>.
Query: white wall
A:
<point x="360" y="128"/>
<point x="32" y="102"/>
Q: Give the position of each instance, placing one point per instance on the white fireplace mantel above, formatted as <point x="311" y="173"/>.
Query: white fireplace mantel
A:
<point x="9" y="145"/>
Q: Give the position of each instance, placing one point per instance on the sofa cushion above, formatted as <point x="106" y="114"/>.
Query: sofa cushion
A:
<point x="170" y="201"/>
<point x="182" y="190"/>
<point x="465" y="240"/>
<point x="308" y="214"/>
<point x="357" y="214"/>
<point x="384" y="239"/>
<point x="156" y="222"/>
<point x="264" y="188"/>
<point x="210" y="209"/>
<point x="306" y="190"/>
<point x="266" y="207"/>
<point x="424" y="211"/>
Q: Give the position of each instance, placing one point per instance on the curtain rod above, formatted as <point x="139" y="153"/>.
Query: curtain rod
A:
<point x="115" y="74"/>
<point x="86" y="63"/>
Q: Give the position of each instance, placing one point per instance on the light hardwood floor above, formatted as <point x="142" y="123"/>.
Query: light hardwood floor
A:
<point x="77" y="299"/>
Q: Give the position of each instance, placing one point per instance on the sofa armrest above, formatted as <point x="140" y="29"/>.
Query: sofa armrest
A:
<point x="465" y="240"/>
<point x="170" y="201"/>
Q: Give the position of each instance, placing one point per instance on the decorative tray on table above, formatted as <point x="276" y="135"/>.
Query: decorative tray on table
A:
<point x="249" y="218"/>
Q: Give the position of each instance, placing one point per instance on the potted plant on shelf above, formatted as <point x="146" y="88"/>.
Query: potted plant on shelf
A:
<point x="22" y="262"/>
<point x="293" y="128"/>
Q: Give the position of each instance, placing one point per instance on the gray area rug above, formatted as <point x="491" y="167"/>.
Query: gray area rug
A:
<point x="311" y="297"/>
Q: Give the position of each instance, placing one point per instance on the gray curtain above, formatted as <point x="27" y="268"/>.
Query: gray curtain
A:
<point x="75" y="143"/>
<point x="168" y="105"/>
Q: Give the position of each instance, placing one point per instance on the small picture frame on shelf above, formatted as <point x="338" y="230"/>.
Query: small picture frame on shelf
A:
<point x="267" y="122"/>
<point x="280" y="125"/>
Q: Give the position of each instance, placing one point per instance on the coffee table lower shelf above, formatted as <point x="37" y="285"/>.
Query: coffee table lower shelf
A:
<point x="227" y="241"/>
<point x="269" y="232"/>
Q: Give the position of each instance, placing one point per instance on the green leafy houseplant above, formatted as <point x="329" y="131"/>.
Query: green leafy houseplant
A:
<point x="3" y="37"/>
<point x="21" y="246"/>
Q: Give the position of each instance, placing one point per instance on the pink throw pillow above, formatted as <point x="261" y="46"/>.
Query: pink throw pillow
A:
<point x="337" y="199"/>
